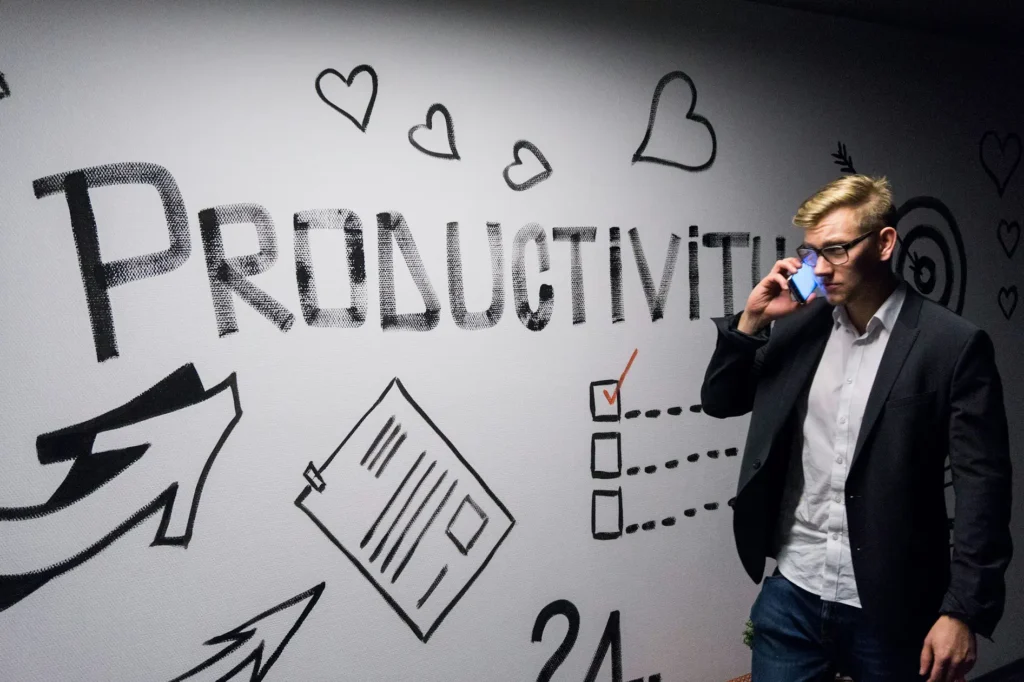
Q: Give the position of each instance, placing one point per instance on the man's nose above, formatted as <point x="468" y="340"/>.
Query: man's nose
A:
<point x="822" y="267"/>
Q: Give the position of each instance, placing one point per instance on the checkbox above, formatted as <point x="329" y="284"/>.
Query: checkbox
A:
<point x="606" y="514"/>
<point x="600" y="410"/>
<point x="606" y="455"/>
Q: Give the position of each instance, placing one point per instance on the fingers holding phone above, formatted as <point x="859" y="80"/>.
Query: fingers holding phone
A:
<point x="775" y="296"/>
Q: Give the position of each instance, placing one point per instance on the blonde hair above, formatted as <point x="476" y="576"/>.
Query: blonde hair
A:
<point x="871" y="198"/>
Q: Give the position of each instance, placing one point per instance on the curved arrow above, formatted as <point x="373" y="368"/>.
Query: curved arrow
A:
<point x="151" y="454"/>
<point x="269" y="631"/>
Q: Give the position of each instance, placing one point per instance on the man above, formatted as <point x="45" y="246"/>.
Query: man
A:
<point x="856" y="401"/>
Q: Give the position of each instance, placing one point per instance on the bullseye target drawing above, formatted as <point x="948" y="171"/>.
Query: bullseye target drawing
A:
<point x="930" y="254"/>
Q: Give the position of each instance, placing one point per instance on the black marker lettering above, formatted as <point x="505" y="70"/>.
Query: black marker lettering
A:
<point x="655" y="302"/>
<point x="726" y="240"/>
<point x="99" y="277"/>
<point x="456" y="288"/>
<point x="389" y="224"/>
<point x="575" y="235"/>
<point x="329" y="219"/>
<point x="533" y="320"/>
<point x="230" y="274"/>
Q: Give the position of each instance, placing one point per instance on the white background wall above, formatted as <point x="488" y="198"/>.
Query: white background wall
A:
<point x="223" y="97"/>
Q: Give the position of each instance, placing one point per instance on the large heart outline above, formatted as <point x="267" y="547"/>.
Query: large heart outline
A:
<point x="1002" y="143"/>
<point x="639" y="155"/>
<point x="362" y="68"/>
<point x="1008" y="293"/>
<point x="453" y="153"/>
<point x="539" y="177"/>
<point x="1006" y="227"/>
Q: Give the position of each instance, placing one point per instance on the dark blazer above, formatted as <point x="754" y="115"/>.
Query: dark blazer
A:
<point x="937" y="393"/>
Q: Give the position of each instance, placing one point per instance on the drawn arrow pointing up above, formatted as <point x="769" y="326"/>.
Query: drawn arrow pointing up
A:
<point x="269" y="631"/>
<point x="151" y="454"/>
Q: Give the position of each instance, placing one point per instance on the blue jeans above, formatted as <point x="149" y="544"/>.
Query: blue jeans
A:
<point x="799" y="637"/>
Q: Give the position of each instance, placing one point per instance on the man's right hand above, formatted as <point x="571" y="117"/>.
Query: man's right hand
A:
<point x="770" y="299"/>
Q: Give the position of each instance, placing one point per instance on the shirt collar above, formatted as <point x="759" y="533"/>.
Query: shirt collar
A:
<point x="885" y="315"/>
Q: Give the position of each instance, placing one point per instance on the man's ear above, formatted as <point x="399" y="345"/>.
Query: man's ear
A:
<point x="887" y="243"/>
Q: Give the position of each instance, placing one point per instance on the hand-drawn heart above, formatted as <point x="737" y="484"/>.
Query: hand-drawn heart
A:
<point x="539" y="177"/>
<point x="451" y="152"/>
<point x="1004" y="232"/>
<point x="639" y="155"/>
<point x="1000" y="157"/>
<point x="363" y="68"/>
<point x="1008" y="300"/>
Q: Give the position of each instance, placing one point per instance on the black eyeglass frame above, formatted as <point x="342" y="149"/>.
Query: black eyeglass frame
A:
<point x="804" y="251"/>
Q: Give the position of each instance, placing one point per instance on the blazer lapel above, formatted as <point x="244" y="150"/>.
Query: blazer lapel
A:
<point x="816" y="330"/>
<point x="901" y="340"/>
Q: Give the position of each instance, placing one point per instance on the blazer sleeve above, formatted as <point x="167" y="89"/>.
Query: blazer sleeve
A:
<point x="980" y="462"/>
<point x="731" y="377"/>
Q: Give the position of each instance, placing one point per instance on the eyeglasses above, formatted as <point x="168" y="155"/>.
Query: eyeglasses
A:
<point x="836" y="254"/>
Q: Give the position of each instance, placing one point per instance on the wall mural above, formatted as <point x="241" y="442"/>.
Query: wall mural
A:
<point x="397" y="499"/>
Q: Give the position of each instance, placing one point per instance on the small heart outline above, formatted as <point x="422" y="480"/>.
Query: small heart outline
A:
<point x="453" y="153"/>
<point x="539" y="177"/>
<point x="1002" y="143"/>
<point x="1007" y="293"/>
<point x="639" y="155"/>
<point x="362" y="68"/>
<point x="1006" y="227"/>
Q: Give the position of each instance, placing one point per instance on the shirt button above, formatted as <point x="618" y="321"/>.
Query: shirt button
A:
<point x="835" y="536"/>
<point x="839" y="498"/>
<point x="839" y="460"/>
<point x="849" y="381"/>
<point x="842" y="420"/>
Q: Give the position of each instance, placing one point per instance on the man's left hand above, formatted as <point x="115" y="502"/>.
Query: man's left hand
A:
<point x="949" y="652"/>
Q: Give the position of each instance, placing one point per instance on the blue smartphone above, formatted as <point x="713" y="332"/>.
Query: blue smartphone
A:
<point x="802" y="283"/>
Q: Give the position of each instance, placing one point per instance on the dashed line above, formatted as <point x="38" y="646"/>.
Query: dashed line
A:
<point x="674" y="463"/>
<point x="671" y="520"/>
<point x="675" y="411"/>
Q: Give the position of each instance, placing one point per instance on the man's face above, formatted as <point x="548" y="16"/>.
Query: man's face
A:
<point x="843" y="282"/>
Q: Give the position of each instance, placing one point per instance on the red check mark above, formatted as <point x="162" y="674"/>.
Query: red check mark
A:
<point x="611" y="397"/>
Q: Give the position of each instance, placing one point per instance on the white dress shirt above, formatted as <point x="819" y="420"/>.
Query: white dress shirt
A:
<point x="813" y="543"/>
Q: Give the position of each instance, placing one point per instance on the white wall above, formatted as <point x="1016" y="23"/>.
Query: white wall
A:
<point x="223" y="98"/>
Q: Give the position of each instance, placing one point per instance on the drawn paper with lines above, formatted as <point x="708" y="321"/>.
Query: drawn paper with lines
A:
<point x="425" y="524"/>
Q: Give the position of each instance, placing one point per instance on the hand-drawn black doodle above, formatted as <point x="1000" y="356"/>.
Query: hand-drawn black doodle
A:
<point x="230" y="275"/>
<point x="396" y="457"/>
<point x="1000" y="157"/>
<point x="655" y="301"/>
<point x="600" y="409"/>
<point x="456" y="288"/>
<point x="843" y="160"/>
<point x="393" y="225"/>
<point x="726" y="241"/>
<point x="330" y="219"/>
<point x="1008" y="233"/>
<point x="537" y="177"/>
<point x="639" y="155"/>
<point x="611" y="641"/>
<point x="363" y="68"/>
<point x="125" y="468"/>
<point x="1008" y="300"/>
<point x="924" y="256"/>
<point x="606" y="455"/>
<point x="451" y="152"/>
<point x="575" y="236"/>
<point x="534" y="320"/>
<point x="5" y="91"/>
<point x="98" y="277"/>
<point x="606" y="514"/>
<point x="270" y="631"/>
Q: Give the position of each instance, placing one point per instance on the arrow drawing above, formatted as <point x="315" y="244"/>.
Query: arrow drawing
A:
<point x="151" y="454"/>
<point x="271" y="630"/>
